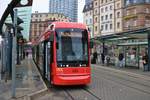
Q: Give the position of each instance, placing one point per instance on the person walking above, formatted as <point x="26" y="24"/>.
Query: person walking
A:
<point x="120" y="58"/>
<point x="145" y="62"/>
<point x="107" y="60"/>
<point x="103" y="58"/>
<point x="94" y="57"/>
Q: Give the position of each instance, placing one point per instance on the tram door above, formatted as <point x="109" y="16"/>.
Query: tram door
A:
<point x="48" y="57"/>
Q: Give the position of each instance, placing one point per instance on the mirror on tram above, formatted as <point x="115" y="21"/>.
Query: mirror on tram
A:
<point x="51" y="37"/>
<point x="91" y="44"/>
<point x="57" y="45"/>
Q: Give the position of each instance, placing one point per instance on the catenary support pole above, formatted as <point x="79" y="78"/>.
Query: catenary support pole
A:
<point x="148" y="50"/>
<point x="14" y="56"/>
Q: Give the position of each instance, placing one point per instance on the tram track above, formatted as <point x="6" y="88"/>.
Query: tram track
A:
<point x="110" y="76"/>
<point x="76" y="93"/>
<point x="87" y="90"/>
<point x="82" y="91"/>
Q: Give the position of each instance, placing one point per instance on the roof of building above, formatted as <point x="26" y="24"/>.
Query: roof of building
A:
<point x="88" y="7"/>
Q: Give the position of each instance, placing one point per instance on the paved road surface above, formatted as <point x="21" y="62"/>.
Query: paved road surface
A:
<point x="107" y="84"/>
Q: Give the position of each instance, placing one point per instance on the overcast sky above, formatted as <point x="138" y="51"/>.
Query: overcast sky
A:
<point x="43" y="6"/>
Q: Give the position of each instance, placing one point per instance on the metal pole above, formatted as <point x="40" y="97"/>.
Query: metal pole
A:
<point x="14" y="56"/>
<point x="149" y="50"/>
<point x="18" y="57"/>
<point x="138" y="56"/>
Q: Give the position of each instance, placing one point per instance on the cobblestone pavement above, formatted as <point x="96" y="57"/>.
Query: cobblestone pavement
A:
<point x="107" y="84"/>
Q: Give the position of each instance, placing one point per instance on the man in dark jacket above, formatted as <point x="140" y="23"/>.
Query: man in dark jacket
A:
<point x="103" y="58"/>
<point x="94" y="57"/>
<point x="120" y="58"/>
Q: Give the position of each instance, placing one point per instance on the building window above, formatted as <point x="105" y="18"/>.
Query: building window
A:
<point x="134" y="23"/>
<point x="106" y="17"/>
<point x="110" y="16"/>
<point x="86" y="14"/>
<point x="36" y="15"/>
<point x="86" y="21"/>
<point x="127" y="12"/>
<point x="95" y="3"/>
<point x="111" y="7"/>
<point x="118" y="24"/>
<point x="147" y="10"/>
<point x="102" y="27"/>
<point x="96" y="11"/>
<point x="106" y="1"/>
<point x="106" y="27"/>
<point x="102" y="1"/>
<point x="90" y="20"/>
<point x="96" y="19"/>
<point x="118" y="14"/>
<point x="102" y="10"/>
<point x="90" y="12"/>
<point x="95" y="28"/>
<point x="106" y="9"/>
<point x="102" y="18"/>
<point x="110" y="26"/>
<point x="147" y="1"/>
<point x="118" y="5"/>
<point x="134" y="11"/>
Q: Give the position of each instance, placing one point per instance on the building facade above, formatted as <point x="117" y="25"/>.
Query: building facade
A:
<point x="40" y="21"/>
<point x="108" y="16"/>
<point x="88" y="17"/>
<point x="136" y="14"/>
<point x="96" y="17"/>
<point x="67" y="7"/>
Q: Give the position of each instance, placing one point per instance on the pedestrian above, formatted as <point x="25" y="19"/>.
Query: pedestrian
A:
<point x="145" y="62"/>
<point x="103" y="58"/>
<point x="120" y="58"/>
<point x="27" y="53"/>
<point x="94" y="57"/>
<point x="23" y="54"/>
<point x="107" y="60"/>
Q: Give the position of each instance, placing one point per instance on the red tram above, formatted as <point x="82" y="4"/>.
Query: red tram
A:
<point x="62" y="54"/>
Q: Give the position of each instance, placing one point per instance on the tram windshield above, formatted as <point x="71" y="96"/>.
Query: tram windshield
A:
<point x="72" y="47"/>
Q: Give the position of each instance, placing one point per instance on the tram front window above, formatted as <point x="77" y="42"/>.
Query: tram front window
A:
<point x="72" y="47"/>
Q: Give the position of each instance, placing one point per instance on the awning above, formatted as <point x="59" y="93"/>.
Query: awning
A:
<point x="132" y="44"/>
<point x="134" y="34"/>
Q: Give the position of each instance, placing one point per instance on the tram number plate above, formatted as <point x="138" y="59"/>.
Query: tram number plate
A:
<point x="75" y="71"/>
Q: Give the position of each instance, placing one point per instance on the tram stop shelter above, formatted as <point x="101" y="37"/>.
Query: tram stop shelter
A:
<point x="139" y="39"/>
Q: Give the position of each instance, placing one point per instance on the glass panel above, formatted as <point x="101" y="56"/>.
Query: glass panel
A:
<point x="72" y="46"/>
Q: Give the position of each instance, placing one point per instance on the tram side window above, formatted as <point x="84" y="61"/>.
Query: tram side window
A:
<point x="41" y="56"/>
